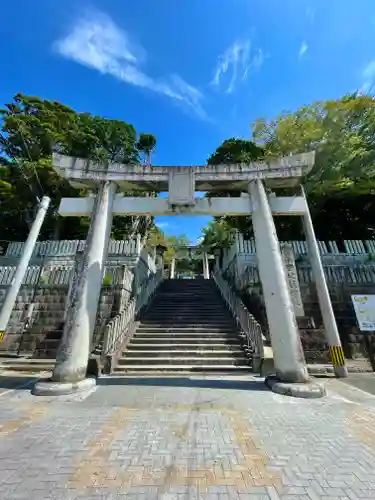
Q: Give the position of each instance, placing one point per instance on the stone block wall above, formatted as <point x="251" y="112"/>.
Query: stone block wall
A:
<point x="46" y="319"/>
<point x="49" y="303"/>
<point x="43" y="334"/>
<point x="311" y="325"/>
<point x="349" y="269"/>
<point x="47" y="285"/>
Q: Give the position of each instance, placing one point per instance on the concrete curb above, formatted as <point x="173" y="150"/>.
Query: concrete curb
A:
<point x="329" y="370"/>
<point x="309" y="390"/>
<point x="50" y="388"/>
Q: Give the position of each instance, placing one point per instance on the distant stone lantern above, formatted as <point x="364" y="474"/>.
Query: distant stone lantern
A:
<point x="160" y="250"/>
<point x="217" y="253"/>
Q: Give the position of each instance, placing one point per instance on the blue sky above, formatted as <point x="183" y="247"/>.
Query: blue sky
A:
<point x="192" y="72"/>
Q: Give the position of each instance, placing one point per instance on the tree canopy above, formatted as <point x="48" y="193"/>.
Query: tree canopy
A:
<point x="146" y="144"/>
<point x="32" y="128"/>
<point x="157" y="237"/>
<point x="341" y="187"/>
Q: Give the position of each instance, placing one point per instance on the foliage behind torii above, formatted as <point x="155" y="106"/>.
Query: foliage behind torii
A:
<point x="341" y="186"/>
<point x="32" y="128"/>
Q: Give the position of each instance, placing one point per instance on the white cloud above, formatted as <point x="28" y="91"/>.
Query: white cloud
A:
<point x="97" y="42"/>
<point x="368" y="77"/>
<point x="160" y="225"/>
<point x="303" y="49"/>
<point x="239" y="62"/>
<point x="310" y="14"/>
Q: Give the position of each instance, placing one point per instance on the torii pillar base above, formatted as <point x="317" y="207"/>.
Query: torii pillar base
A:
<point x="50" y="388"/>
<point x="307" y="390"/>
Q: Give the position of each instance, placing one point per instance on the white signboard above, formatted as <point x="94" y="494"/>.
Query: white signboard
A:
<point x="364" y="307"/>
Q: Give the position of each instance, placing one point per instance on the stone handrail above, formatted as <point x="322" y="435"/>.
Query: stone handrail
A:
<point x="122" y="325"/>
<point x="250" y="327"/>
<point x="62" y="248"/>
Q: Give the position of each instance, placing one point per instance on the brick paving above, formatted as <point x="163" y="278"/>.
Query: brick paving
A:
<point x="209" y="439"/>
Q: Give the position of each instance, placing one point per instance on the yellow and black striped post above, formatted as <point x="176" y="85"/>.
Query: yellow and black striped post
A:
<point x="337" y="355"/>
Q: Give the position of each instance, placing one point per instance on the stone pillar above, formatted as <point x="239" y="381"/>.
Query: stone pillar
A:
<point x="73" y="282"/>
<point x="292" y="278"/>
<point x="173" y="269"/>
<point x="286" y="343"/>
<point x="217" y="262"/>
<point x="73" y="353"/>
<point x="138" y="244"/>
<point x="27" y="251"/>
<point x="206" y="268"/>
<point x="329" y="320"/>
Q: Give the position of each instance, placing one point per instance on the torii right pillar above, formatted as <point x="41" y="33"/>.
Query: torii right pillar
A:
<point x="292" y="377"/>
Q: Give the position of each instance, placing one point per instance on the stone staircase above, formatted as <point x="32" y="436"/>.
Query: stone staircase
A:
<point x="187" y="328"/>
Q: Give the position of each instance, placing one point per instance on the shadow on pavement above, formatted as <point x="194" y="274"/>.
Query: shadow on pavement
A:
<point x="246" y="385"/>
<point x="14" y="381"/>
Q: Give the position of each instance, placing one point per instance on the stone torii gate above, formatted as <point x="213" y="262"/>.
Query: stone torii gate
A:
<point x="191" y="252"/>
<point x="255" y="181"/>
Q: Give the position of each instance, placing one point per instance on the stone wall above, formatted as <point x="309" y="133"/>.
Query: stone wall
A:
<point x="349" y="272"/>
<point x="36" y="323"/>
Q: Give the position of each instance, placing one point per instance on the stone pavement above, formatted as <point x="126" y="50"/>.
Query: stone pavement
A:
<point x="166" y="439"/>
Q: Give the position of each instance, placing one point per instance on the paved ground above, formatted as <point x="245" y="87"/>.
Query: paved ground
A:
<point x="365" y="382"/>
<point x="187" y="439"/>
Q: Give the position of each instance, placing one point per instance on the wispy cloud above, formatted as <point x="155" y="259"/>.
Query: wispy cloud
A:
<point x="303" y="49"/>
<point x="239" y="61"/>
<point x="97" y="42"/>
<point x="162" y="225"/>
<point x="310" y="14"/>
<point x="368" y="77"/>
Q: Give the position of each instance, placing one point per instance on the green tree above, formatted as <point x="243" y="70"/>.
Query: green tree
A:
<point x="235" y="151"/>
<point x="232" y="151"/>
<point x="32" y="128"/>
<point x="146" y="144"/>
<point x="341" y="186"/>
<point x="218" y="234"/>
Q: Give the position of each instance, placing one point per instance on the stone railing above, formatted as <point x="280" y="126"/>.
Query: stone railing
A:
<point x="350" y="274"/>
<point x="55" y="261"/>
<point x="122" y="326"/>
<point x="353" y="252"/>
<point x="55" y="275"/>
<point x="349" y="247"/>
<point x="67" y="248"/>
<point x="250" y="327"/>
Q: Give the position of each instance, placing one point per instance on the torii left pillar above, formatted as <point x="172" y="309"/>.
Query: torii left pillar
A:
<point x="69" y="374"/>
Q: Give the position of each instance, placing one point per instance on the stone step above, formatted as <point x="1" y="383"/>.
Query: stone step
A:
<point x="182" y="327"/>
<point x="187" y="308"/>
<point x="186" y="334"/>
<point x="204" y="345"/>
<point x="183" y="360"/>
<point x="177" y="353"/>
<point x="192" y="295"/>
<point x="195" y="327"/>
<point x="188" y="320"/>
<point x="178" y="323"/>
<point x="189" y="314"/>
<point x="27" y="365"/>
<point x="142" y="369"/>
<point x="192" y="339"/>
